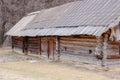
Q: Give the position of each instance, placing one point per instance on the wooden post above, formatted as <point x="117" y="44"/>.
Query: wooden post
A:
<point x="48" y="48"/>
<point x="119" y="40"/>
<point x="105" y="45"/>
<point x="12" y="43"/>
<point x="104" y="59"/>
<point x="98" y="49"/>
<point x="26" y="45"/>
<point x="119" y="47"/>
<point x="58" y="48"/>
<point x="39" y="45"/>
<point x="23" y="46"/>
<point x="53" y="51"/>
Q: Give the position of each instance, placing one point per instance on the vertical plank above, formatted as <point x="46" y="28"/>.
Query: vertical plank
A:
<point x="12" y="43"/>
<point x="119" y="47"/>
<point x="99" y="47"/>
<point x="119" y="40"/>
<point x="26" y="45"/>
<point x="39" y="45"/>
<point x="105" y="47"/>
<point x="58" y="47"/>
<point x="53" y="50"/>
<point x="48" y="47"/>
<point x="23" y="45"/>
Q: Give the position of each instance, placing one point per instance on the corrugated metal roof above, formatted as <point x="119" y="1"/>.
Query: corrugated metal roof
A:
<point x="47" y="16"/>
<point x="88" y="30"/>
<point x="90" y="12"/>
<point x="85" y="12"/>
<point x="91" y="30"/>
<point x="21" y="25"/>
<point x="92" y="17"/>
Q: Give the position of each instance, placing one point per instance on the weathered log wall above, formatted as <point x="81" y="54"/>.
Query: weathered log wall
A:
<point x="47" y="40"/>
<point x="73" y="45"/>
<point x="78" y="45"/>
<point x="44" y="45"/>
<point x="33" y="45"/>
<point x="113" y="48"/>
<point x="17" y="42"/>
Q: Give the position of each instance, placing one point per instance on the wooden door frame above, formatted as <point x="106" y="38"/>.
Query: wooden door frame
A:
<point x="50" y="41"/>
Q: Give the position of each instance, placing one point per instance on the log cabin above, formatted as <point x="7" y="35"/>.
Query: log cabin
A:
<point x="88" y="28"/>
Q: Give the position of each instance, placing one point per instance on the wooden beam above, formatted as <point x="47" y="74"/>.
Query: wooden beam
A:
<point x="23" y="45"/>
<point x="119" y="47"/>
<point x="12" y="43"/>
<point x="39" y="45"/>
<point x="119" y="40"/>
<point x="26" y="45"/>
<point x="48" y="48"/>
<point x="58" y="47"/>
<point x="53" y="50"/>
<point x="99" y="47"/>
<point x="105" y="47"/>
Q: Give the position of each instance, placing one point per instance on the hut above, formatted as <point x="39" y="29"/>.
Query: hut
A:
<point x="79" y="28"/>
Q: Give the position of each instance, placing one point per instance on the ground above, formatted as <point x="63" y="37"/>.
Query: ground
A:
<point x="14" y="66"/>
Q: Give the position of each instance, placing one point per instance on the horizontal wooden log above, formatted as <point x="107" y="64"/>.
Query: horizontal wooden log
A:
<point x="80" y="40"/>
<point x="113" y="46"/>
<point x="109" y="57"/>
<point x="79" y="54"/>
<point x="18" y="46"/>
<point x="33" y="44"/>
<point x="33" y="47"/>
<point x="81" y="36"/>
<point x="113" y="57"/>
<point x="33" y="51"/>
<point x="18" y="38"/>
<point x="78" y="47"/>
<point x="17" y="43"/>
<point x="80" y="51"/>
<point x="115" y="51"/>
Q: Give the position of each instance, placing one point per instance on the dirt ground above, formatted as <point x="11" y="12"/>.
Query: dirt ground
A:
<point x="14" y="66"/>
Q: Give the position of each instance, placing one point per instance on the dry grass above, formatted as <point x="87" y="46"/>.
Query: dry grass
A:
<point x="17" y="67"/>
